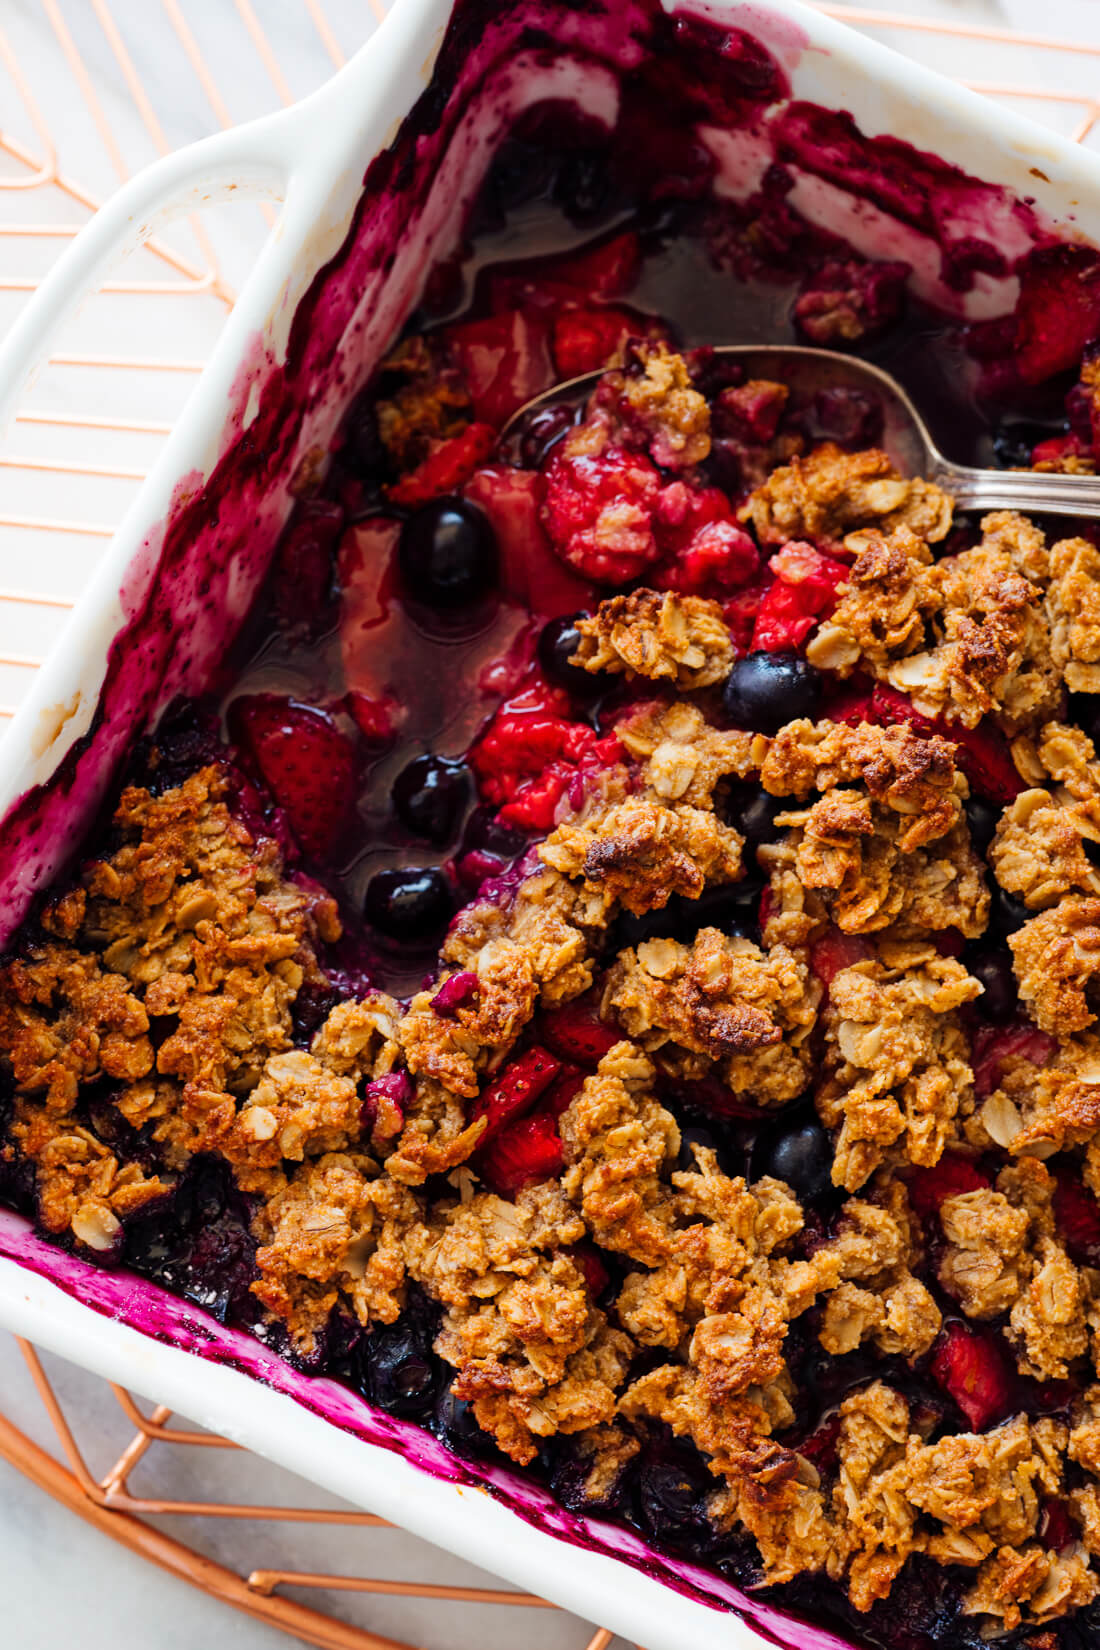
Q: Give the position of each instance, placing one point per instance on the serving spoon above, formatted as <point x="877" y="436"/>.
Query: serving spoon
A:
<point x="905" y="436"/>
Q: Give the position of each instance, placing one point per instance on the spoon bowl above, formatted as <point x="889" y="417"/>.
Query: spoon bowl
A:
<point x="904" y="436"/>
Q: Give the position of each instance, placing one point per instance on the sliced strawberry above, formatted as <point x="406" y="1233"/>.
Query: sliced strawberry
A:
<point x="604" y="271"/>
<point x="1056" y="1528"/>
<point x="834" y="951"/>
<point x="514" y="1090"/>
<point x="447" y="468"/>
<point x="598" y="511"/>
<point x="993" y="1045"/>
<point x="1077" y="1216"/>
<point x="306" y="763"/>
<point x="586" y="337"/>
<point x="575" y="1031"/>
<point x="503" y="360"/>
<point x="563" y="1090"/>
<point x="527" y="1150"/>
<point x="1058" y="312"/>
<point x="950" y="1177"/>
<point x="531" y="571"/>
<point x="970" y="1366"/>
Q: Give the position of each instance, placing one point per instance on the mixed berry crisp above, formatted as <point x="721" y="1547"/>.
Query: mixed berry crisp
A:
<point x="613" y="972"/>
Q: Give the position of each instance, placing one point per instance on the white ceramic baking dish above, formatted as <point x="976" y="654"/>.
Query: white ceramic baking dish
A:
<point x="178" y="575"/>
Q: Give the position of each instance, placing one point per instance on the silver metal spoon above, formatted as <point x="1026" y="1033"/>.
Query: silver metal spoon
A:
<point x="904" y="437"/>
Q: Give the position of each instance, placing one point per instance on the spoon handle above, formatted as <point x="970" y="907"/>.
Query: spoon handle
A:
<point x="1026" y="490"/>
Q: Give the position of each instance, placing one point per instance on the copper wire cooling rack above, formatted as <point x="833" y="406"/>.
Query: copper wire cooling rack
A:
<point x="89" y="91"/>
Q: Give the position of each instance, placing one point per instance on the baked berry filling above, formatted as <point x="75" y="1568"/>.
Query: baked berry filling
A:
<point x="611" y="970"/>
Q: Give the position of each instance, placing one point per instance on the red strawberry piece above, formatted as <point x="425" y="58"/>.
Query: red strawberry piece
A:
<point x="834" y="951"/>
<point x="1058" y="447"/>
<point x="970" y="1366"/>
<point x="1077" y="1216"/>
<point x="950" y="1177"/>
<point x="604" y="271"/>
<point x="447" y="468"/>
<point x="514" y="1090"/>
<point x="376" y="718"/>
<point x="598" y="511"/>
<point x="1058" y="312"/>
<point x="983" y="752"/>
<point x="586" y="337"/>
<point x="531" y="571"/>
<point x="503" y="360"/>
<point x="993" y="1045"/>
<point x="527" y="1150"/>
<point x="805" y="590"/>
<point x="306" y="763"/>
<point x="563" y="1090"/>
<point x="587" y="1258"/>
<point x="457" y="992"/>
<point x="575" y="1031"/>
<point x="1056" y="1528"/>
<point x="303" y="563"/>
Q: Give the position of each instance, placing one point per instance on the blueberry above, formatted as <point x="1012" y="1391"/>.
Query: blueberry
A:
<point x="558" y="642"/>
<point x="402" y="1372"/>
<point x="455" y="1425"/>
<point x="429" y="795"/>
<point x="541" y="432"/>
<point x="1084" y="713"/>
<point x="409" y="904"/>
<point x="692" y="1135"/>
<point x="765" y="690"/>
<point x="994" y="969"/>
<point x="1007" y="913"/>
<point x="981" y="817"/>
<point x="672" y="1490"/>
<point x="753" y="812"/>
<point x="802" y="1157"/>
<point x="447" y="554"/>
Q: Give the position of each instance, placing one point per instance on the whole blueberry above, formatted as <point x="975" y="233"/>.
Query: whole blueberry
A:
<point x="429" y="795"/>
<point x="802" y="1157"/>
<point x="765" y="690"/>
<point x="408" y="904"/>
<point x="542" y="430"/>
<point x="455" y="1425"/>
<point x="753" y="812"/>
<point x="447" y="554"/>
<point x="1007" y="913"/>
<point x="558" y="641"/>
<point x="981" y="818"/>
<point x="993" y="968"/>
<point x="402" y="1374"/>
<point x="672" y="1490"/>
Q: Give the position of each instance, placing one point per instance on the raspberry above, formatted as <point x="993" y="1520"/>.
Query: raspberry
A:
<point x="950" y="1177"/>
<point x="528" y="1149"/>
<point x="514" y="1090"/>
<point x="502" y="360"/>
<point x="598" y="512"/>
<point x="1077" y="1216"/>
<point x="804" y="592"/>
<point x="741" y="611"/>
<point x="455" y="993"/>
<point x="576" y="1032"/>
<point x="447" y="468"/>
<point x="969" y="1365"/>
<point x="751" y="411"/>
<point x="719" y="557"/>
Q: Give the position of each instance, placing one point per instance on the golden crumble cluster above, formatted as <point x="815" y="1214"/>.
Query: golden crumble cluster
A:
<point x="638" y="1288"/>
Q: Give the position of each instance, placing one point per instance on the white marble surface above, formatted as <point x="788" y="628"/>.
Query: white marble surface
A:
<point x="61" y="1582"/>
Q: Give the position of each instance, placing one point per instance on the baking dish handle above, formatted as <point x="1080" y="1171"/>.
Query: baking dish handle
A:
<point x="265" y="157"/>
